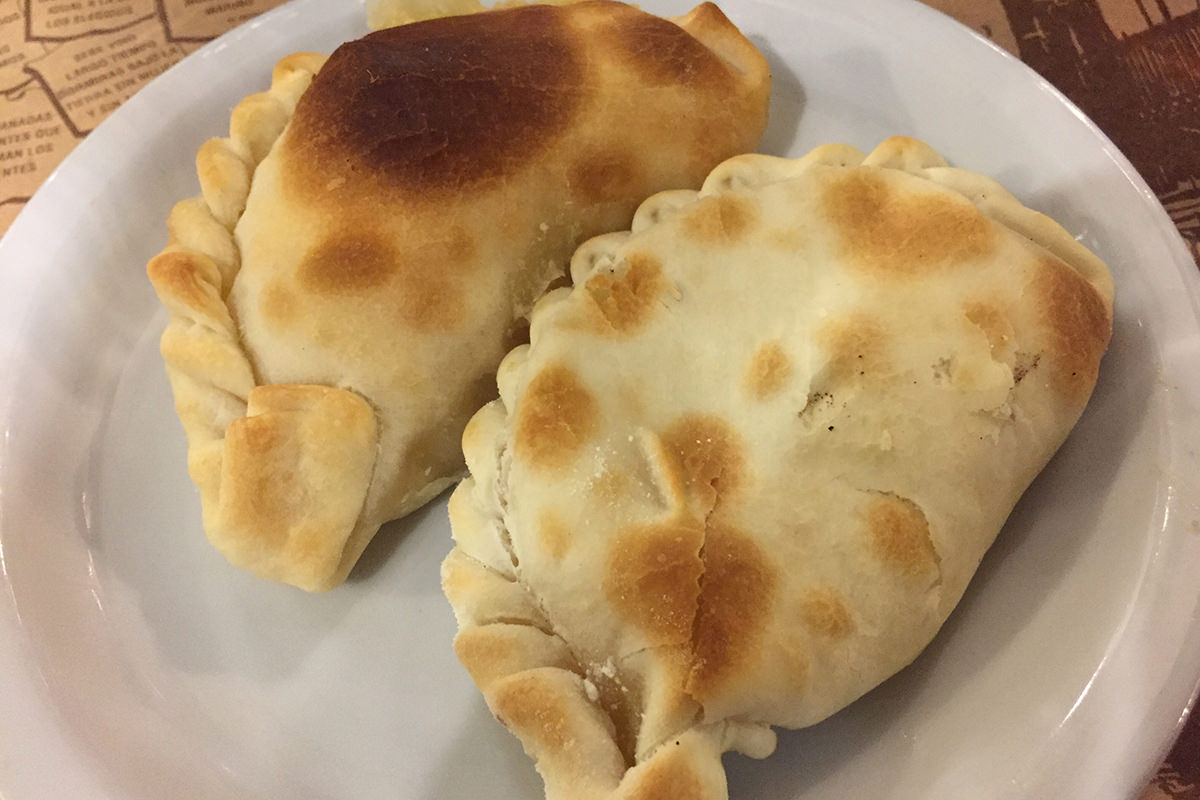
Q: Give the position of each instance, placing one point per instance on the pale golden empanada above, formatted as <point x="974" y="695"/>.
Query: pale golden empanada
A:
<point x="366" y="246"/>
<point x="747" y="466"/>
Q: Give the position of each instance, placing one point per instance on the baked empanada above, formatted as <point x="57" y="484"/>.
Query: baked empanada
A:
<point x="747" y="465"/>
<point x="368" y="241"/>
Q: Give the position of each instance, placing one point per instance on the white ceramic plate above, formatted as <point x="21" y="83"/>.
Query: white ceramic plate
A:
<point x="134" y="663"/>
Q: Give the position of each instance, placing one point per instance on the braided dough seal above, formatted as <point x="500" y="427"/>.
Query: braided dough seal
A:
<point x="745" y="469"/>
<point x="374" y="229"/>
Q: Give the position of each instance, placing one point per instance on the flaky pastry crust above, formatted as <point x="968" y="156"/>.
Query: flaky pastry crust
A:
<point x="746" y="467"/>
<point x="377" y="225"/>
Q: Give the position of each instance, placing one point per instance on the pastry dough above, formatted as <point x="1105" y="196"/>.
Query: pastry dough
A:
<point x="746" y="467"/>
<point x="367" y="242"/>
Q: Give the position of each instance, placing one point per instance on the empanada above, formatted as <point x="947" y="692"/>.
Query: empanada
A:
<point x="747" y="465"/>
<point x="366" y="246"/>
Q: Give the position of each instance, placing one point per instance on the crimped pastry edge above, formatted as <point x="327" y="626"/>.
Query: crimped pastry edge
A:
<point x="211" y="375"/>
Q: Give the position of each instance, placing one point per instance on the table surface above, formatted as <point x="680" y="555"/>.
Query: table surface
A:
<point x="1132" y="65"/>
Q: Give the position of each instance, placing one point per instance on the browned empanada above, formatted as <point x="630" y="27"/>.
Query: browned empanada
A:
<point x="374" y="229"/>
<point x="746" y="467"/>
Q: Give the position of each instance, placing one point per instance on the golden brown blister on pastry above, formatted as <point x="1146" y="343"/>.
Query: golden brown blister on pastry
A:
<point x="372" y="232"/>
<point x="747" y="465"/>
